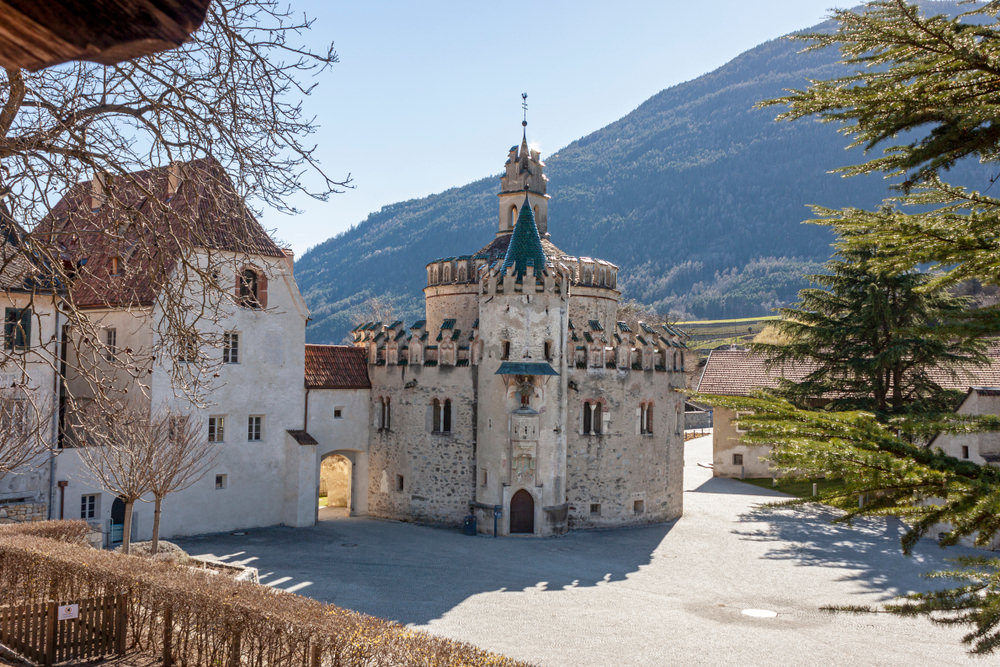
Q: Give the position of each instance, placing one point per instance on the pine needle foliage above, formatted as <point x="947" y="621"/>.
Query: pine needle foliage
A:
<point x="876" y="339"/>
<point x="923" y="97"/>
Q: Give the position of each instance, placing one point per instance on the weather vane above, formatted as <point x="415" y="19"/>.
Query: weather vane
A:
<point x="524" y="108"/>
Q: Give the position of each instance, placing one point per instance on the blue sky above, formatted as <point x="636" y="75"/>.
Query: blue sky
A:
<point x="427" y="94"/>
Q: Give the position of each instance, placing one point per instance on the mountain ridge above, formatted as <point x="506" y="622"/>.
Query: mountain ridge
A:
<point x="696" y="194"/>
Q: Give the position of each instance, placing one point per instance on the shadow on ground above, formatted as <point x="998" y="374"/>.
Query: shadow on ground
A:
<point x="415" y="574"/>
<point x="868" y="549"/>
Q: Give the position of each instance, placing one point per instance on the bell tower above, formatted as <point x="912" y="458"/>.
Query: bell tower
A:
<point x="523" y="173"/>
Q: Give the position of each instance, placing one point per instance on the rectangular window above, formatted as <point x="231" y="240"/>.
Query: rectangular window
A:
<point x="595" y="509"/>
<point x="338" y="413"/>
<point x="505" y="349"/>
<point x="220" y="481"/>
<point x="110" y="343"/>
<point x="230" y="348"/>
<point x="639" y="506"/>
<point x="965" y="451"/>
<point x="737" y="459"/>
<point x="88" y="506"/>
<point x="176" y="427"/>
<point x="17" y="329"/>
<point x="216" y="429"/>
<point x="484" y="477"/>
<point x="399" y="482"/>
<point x="14" y="416"/>
<point x="187" y="348"/>
<point x="740" y="429"/>
<point x="255" y="424"/>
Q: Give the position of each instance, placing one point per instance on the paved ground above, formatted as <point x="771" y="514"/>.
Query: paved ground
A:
<point x="658" y="595"/>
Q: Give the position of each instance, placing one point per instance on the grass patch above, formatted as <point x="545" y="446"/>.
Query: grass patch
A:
<point x="738" y="319"/>
<point x="801" y="488"/>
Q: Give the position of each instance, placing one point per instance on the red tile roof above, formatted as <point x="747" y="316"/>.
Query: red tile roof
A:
<point x="147" y="227"/>
<point x="336" y="367"/>
<point x="739" y="372"/>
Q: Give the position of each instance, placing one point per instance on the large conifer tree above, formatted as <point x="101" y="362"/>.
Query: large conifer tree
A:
<point x="925" y="95"/>
<point x="875" y="339"/>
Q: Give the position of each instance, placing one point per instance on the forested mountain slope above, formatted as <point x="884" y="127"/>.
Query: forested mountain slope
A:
<point x="698" y="197"/>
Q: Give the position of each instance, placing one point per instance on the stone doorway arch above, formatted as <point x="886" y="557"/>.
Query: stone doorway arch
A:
<point x="522" y="513"/>
<point x="342" y="474"/>
<point x="335" y="475"/>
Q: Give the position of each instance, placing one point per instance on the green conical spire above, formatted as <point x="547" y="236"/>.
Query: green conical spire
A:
<point x="525" y="244"/>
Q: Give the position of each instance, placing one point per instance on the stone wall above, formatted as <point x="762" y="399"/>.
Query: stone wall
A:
<point x="414" y="473"/>
<point x="23" y="512"/>
<point x="623" y="476"/>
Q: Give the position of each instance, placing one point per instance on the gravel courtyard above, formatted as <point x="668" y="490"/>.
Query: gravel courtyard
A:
<point x="666" y="594"/>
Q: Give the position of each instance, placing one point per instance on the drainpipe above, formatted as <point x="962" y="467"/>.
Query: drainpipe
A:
<point x="62" y="498"/>
<point x="305" y="413"/>
<point x="56" y="389"/>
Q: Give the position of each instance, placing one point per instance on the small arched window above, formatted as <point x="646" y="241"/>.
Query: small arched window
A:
<point x="513" y="217"/>
<point x="249" y="289"/>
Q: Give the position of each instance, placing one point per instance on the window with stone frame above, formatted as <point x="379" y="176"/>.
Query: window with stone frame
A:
<point x="231" y="347"/>
<point x="505" y="349"/>
<point x="248" y="288"/>
<point x="441" y="415"/>
<point x="646" y="418"/>
<point x="17" y="329"/>
<point x="383" y="413"/>
<point x="592" y="417"/>
<point x="737" y="459"/>
<point x="216" y="428"/>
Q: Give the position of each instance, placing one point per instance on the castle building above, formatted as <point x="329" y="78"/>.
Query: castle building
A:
<point x="522" y="397"/>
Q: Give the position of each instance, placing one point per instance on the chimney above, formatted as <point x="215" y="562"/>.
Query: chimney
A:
<point x="173" y="178"/>
<point x="289" y="260"/>
<point x="98" y="189"/>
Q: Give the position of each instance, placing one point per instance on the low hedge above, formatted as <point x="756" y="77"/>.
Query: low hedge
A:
<point x="211" y="620"/>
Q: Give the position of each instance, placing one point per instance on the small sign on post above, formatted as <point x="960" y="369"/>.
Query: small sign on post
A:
<point x="68" y="612"/>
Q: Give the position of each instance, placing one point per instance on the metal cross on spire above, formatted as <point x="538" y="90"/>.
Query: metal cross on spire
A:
<point x="524" y="108"/>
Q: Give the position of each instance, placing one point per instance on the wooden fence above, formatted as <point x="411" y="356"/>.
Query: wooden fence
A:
<point x="36" y="631"/>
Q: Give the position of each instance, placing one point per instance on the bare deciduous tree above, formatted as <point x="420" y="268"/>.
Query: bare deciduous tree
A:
<point x="118" y="446"/>
<point x="182" y="455"/>
<point x="23" y="423"/>
<point x="226" y="107"/>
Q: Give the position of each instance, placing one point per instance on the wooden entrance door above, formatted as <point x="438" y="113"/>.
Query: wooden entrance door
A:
<point x="522" y="513"/>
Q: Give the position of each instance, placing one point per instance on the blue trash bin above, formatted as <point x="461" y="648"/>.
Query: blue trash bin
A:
<point x="469" y="526"/>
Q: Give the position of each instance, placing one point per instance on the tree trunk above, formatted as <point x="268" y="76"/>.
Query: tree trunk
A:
<point x="154" y="547"/>
<point x="127" y="528"/>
